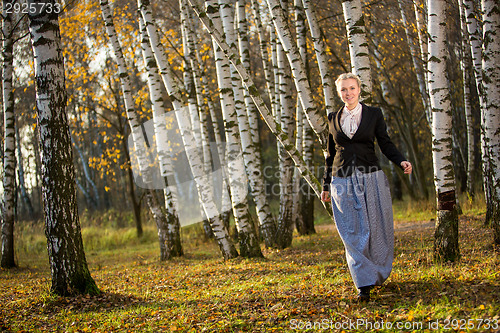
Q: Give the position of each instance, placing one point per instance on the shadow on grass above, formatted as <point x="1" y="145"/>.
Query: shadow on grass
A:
<point x="473" y="293"/>
<point x="85" y="303"/>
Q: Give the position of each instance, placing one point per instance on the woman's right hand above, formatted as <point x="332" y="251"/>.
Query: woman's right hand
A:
<point x="325" y="196"/>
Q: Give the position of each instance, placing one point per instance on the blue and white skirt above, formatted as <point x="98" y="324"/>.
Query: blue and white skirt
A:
<point x="362" y="209"/>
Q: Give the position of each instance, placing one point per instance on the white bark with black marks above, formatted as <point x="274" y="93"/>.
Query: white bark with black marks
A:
<point x="167" y="220"/>
<point x="314" y="115"/>
<point x="8" y="201"/>
<point x="446" y="232"/>
<point x="358" y="45"/>
<point x="203" y="184"/>
<point x="261" y="106"/>
<point x="250" y="139"/>
<point x="238" y="136"/>
<point x="70" y="274"/>
<point x="321" y="55"/>
<point x="491" y="82"/>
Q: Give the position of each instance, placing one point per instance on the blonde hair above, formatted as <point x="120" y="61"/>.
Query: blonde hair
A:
<point x="346" y="76"/>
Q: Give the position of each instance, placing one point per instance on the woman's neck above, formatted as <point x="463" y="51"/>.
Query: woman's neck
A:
<point x="351" y="107"/>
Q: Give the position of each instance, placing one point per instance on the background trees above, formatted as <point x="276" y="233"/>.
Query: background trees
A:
<point x="384" y="39"/>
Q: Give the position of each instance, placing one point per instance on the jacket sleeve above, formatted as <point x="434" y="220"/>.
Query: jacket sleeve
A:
<point x="330" y="155"/>
<point x="385" y="143"/>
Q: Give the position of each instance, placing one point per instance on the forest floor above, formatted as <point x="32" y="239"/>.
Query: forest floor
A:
<point x="306" y="287"/>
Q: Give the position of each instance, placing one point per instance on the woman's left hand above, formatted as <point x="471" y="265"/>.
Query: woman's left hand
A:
<point x="407" y="168"/>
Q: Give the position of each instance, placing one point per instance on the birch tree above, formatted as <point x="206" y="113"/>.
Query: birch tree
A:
<point x="199" y="120"/>
<point x="305" y="136"/>
<point x="70" y="273"/>
<point x="21" y="177"/>
<point x="491" y="82"/>
<point x="420" y="9"/>
<point x="200" y="177"/>
<point x="476" y="41"/>
<point x="300" y="30"/>
<point x="261" y="106"/>
<point x="320" y="51"/>
<point x="128" y="99"/>
<point x="206" y="109"/>
<point x="9" y="147"/>
<point x="467" y="70"/>
<point x="251" y="145"/>
<point x="314" y="116"/>
<point x="358" y="45"/>
<point x="446" y="230"/>
<point x="263" y="47"/>
<point x="166" y="218"/>
<point x="416" y="58"/>
<point x="236" y="127"/>
<point x="285" y="110"/>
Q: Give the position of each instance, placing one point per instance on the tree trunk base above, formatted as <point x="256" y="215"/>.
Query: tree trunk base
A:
<point x="446" y="236"/>
<point x="267" y="234"/>
<point x="495" y="223"/>
<point x="249" y="245"/>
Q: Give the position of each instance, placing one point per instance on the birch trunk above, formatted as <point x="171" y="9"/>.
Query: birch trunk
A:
<point x="358" y="46"/>
<point x="253" y="159"/>
<point x="167" y="220"/>
<point x="135" y="126"/>
<point x="9" y="148"/>
<point x="476" y="41"/>
<point x="20" y="175"/>
<point x="236" y="128"/>
<point x="261" y="106"/>
<point x="416" y="59"/>
<point x="276" y="82"/>
<point x="466" y="64"/>
<point x="316" y="120"/>
<point x="263" y="46"/>
<point x="205" y="102"/>
<point x="70" y="273"/>
<point x="200" y="131"/>
<point x="321" y="55"/>
<point x="200" y="177"/>
<point x="308" y="149"/>
<point x="446" y="231"/>
<point x="300" y="30"/>
<point x="305" y="139"/>
<point x="491" y="82"/>
<point x="285" y="225"/>
<point x="420" y="8"/>
<point x="306" y="191"/>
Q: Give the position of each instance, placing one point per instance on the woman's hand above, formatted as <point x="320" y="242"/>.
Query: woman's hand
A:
<point x="407" y="168"/>
<point x="325" y="196"/>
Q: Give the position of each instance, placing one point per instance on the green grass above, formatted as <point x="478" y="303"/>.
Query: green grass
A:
<point x="290" y="289"/>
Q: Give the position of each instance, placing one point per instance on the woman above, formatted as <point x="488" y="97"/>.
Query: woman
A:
<point x="359" y="190"/>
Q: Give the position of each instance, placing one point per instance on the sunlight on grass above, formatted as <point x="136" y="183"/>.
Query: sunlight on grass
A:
<point x="305" y="284"/>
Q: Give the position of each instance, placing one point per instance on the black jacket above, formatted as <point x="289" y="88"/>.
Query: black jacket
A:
<point x="344" y="155"/>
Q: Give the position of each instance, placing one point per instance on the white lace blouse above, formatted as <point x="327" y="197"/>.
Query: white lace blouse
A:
<point x="350" y="119"/>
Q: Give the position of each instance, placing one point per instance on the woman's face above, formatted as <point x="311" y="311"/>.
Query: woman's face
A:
<point x="349" y="91"/>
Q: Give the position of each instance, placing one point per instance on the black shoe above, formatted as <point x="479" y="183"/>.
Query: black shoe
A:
<point x="364" y="294"/>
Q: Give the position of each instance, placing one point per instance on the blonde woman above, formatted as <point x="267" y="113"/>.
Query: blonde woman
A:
<point x="358" y="188"/>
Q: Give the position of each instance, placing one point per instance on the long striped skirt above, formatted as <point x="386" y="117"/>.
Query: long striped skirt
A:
<point x="362" y="209"/>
